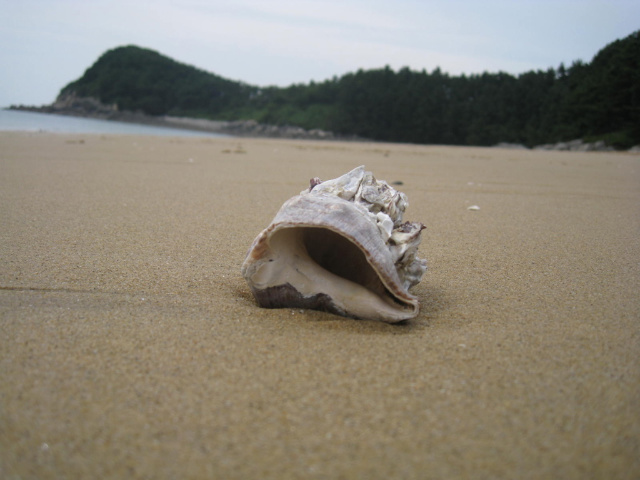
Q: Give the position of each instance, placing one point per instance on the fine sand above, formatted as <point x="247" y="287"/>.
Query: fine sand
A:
<point x="131" y="346"/>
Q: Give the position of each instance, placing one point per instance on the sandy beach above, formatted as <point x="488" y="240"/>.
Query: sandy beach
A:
<point x="131" y="346"/>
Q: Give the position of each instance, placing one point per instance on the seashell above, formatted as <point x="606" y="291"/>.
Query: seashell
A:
<point x="340" y="246"/>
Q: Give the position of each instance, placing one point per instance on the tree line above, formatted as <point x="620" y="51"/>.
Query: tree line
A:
<point x="599" y="100"/>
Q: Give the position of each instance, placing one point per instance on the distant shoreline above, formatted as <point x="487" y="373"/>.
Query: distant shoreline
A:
<point x="91" y="108"/>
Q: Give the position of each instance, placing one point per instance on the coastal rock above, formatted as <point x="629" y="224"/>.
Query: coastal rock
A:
<point x="512" y="146"/>
<point x="251" y="128"/>
<point x="577" y="145"/>
<point x="83" y="106"/>
<point x="76" y="106"/>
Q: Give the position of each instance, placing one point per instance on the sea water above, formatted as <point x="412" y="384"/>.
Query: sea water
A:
<point x="16" y="120"/>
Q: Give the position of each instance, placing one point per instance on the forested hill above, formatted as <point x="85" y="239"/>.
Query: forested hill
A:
<point x="138" y="79"/>
<point x="596" y="100"/>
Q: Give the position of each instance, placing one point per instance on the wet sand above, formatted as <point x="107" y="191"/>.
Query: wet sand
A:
<point x="131" y="346"/>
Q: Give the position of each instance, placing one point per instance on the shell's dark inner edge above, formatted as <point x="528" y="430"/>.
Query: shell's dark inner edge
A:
<point x="287" y="296"/>
<point x="341" y="257"/>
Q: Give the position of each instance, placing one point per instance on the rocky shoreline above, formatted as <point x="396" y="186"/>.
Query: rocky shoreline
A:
<point x="577" y="145"/>
<point x="89" y="107"/>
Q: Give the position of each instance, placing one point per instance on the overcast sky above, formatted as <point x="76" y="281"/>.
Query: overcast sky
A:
<point x="45" y="44"/>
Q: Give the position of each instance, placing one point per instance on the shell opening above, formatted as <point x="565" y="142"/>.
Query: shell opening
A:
<point x="315" y="267"/>
<point x="339" y="256"/>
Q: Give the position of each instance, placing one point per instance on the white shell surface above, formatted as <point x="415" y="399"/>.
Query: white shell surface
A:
<point x="339" y="246"/>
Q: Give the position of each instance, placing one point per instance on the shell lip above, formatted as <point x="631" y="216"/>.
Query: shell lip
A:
<point x="390" y="280"/>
